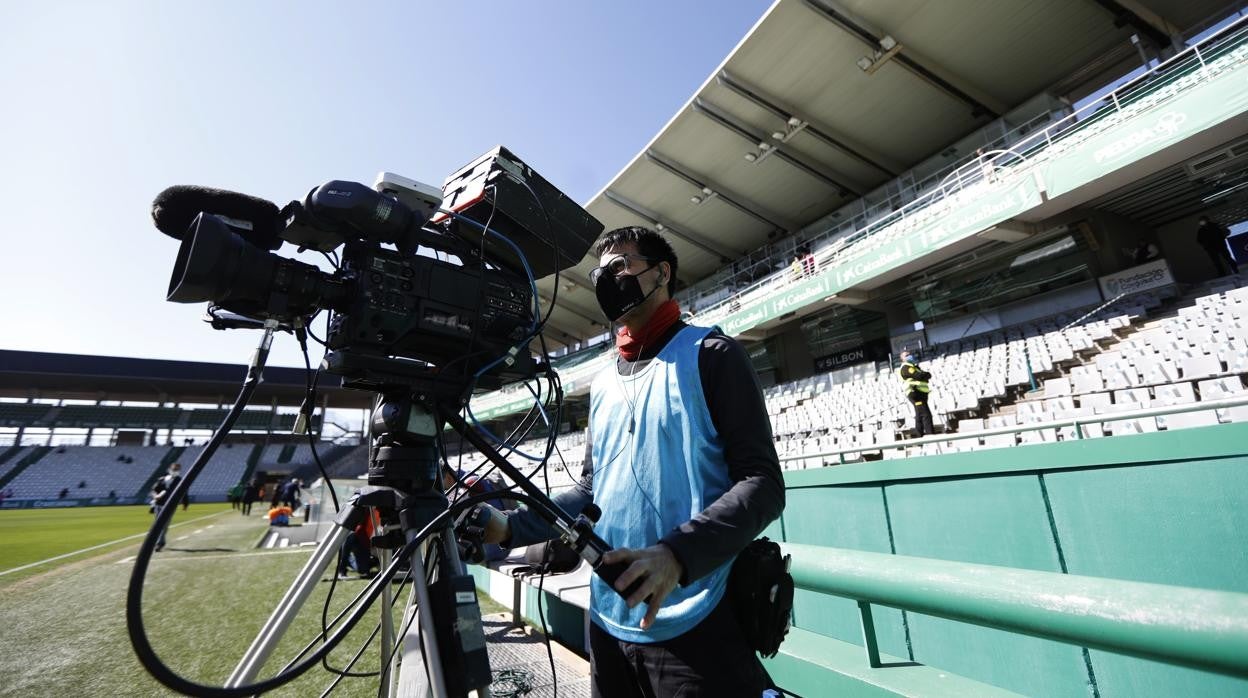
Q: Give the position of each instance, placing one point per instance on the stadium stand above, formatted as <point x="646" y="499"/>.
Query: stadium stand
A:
<point x="12" y="458"/>
<point x="14" y="414"/>
<point x="350" y="463"/>
<point x="122" y="469"/>
<point x="228" y="467"/>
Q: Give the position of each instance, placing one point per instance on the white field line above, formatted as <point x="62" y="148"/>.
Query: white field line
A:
<point x="228" y="556"/>
<point x="101" y="545"/>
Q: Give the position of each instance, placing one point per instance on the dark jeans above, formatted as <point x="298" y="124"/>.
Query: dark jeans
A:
<point x="922" y="415"/>
<point x="712" y="659"/>
<point x="352" y="547"/>
<point x="1222" y="259"/>
<point x="160" y="542"/>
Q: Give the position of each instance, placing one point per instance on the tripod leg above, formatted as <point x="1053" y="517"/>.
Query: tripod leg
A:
<point x="253" y="660"/>
<point x="387" y="627"/>
<point x="412" y="680"/>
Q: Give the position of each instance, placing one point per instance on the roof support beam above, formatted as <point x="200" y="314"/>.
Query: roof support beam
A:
<point x="1125" y="15"/>
<point x="725" y="254"/>
<point x="717" y="115"/>
<point x="843" y="21"/>
<point x="575" y="310"/>
<point x="752" y="94"/>
<point x="748" y="209"/>
<point x="567" y="276"/>
<point x="563" y="329"/>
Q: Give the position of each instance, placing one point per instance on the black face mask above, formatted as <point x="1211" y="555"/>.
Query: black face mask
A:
<point x="619" y="294"/>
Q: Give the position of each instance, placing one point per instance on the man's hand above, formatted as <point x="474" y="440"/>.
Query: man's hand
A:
<point x="497" y="528"/>
<point x="659" y="572"/>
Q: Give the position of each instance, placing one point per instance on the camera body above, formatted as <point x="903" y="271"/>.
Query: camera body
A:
<point x="417" y="282"/>
<point x="424" y="308"/>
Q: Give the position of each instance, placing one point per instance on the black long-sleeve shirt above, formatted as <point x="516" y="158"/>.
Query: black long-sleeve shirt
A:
<point x="737" y="410"/>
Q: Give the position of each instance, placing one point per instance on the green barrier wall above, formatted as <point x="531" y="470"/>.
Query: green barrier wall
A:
<point x="1164" y="507"/>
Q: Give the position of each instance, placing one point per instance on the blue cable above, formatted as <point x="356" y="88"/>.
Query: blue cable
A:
<point x="513" y="449"/>
<point x="537" y="314"/>
<point x="524" y="261"/>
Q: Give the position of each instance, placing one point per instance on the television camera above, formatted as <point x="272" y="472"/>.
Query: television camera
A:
<point x="453" y="288"/>
<point x="434" y="296"/>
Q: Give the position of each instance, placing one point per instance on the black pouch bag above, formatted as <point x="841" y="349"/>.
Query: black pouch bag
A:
<point x="761" y="590"/>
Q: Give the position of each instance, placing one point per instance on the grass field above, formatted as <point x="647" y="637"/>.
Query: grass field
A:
<point x="30" y="535"/>
<point x="206" y="596"/>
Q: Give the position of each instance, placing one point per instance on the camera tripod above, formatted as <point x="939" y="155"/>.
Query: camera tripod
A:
<point x="445" y="655"/>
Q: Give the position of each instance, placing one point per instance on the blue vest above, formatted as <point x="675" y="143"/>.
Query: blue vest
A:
<point x="658" y="462"/>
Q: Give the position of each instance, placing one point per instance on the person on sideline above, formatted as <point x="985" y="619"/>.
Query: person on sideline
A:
<point x="680" y="459"/>
<point x="161" y="490"/>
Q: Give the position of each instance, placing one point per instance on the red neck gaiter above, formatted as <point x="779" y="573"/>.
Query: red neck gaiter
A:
<point x="630" y="345"/>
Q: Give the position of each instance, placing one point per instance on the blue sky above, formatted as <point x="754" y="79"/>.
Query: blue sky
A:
<point x="106" y="104"/>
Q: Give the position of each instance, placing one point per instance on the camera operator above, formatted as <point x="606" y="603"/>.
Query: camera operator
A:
<point x="681" y="460"/>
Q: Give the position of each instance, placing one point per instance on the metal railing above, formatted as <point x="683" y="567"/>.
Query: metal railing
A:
<point x="1195" y="628"/>
<point x="997" y="164"/>
<point x="1077" y="423"/>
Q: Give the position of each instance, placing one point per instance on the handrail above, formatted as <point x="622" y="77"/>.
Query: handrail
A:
<point x="1195" y="628"/>
<point x="972" y="170"/>
<point x="1075" y="422"/>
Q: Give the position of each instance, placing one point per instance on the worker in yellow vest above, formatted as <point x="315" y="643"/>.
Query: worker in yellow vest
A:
<point x="917" y="392"/>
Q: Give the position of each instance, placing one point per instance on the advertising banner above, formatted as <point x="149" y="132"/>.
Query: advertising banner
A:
<point x="66" y="503"/>
<point x="1179" y="109"/>
<point x="870" y="351"/>
<point x="1155" y="274"/>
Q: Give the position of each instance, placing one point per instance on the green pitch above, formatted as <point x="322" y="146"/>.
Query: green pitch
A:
<point x="31" y="535"/>
<point x="206" y="596"/>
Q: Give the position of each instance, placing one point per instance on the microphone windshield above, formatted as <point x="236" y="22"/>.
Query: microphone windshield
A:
<point x="257" y="220"/>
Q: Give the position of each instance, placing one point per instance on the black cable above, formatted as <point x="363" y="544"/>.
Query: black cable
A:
<point x="472" y="339"/>
<point x="345" y="671"/>
<point x="541" y="616"/>
<point x="511" y="683"/>
<point x="333" y="260"/>
<point x="311" y="380"/>
<point x="134" y="596"/>
<point x="550" y="229"/>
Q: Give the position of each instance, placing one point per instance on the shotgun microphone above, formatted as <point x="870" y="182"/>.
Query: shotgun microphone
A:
<point x="257" y="221"/>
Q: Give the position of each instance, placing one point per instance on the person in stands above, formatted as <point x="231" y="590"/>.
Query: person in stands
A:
<point x="918" y="392"/>
<point x="1211" y="236"/>
<point x="1143" y="252"/>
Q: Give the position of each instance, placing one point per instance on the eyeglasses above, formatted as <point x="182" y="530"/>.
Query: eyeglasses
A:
<point x="617" y="266"/>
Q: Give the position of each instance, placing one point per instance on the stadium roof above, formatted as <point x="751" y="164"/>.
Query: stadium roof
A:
<point x="80" y="377"/>
<point x="848" y="95"/>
